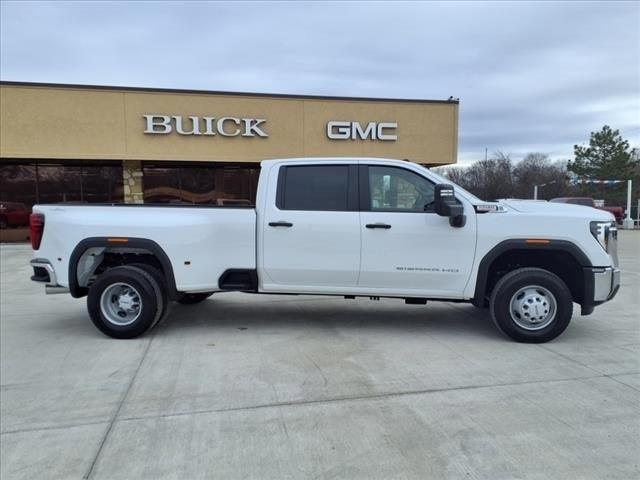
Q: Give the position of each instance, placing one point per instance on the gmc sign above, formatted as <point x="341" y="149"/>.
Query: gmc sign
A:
<point x="337" y="130"/>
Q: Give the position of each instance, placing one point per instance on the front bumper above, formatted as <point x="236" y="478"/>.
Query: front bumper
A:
<point x="606" y="283"/>
<point x="601" y="284"/>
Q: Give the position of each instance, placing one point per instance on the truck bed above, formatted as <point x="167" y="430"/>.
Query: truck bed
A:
<point x="200" y="241"/>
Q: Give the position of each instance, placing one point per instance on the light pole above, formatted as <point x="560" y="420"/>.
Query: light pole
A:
<point x="535" y="188"/>
<point x="627" y="223"/>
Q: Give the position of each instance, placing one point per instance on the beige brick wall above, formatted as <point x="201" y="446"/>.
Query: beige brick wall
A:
<point x="108" y="123"/>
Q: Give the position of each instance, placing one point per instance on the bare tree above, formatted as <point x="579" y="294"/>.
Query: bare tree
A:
<point x="537" y="169"/>
<point x="498" y="177"/>
<point x="492" y="178"/>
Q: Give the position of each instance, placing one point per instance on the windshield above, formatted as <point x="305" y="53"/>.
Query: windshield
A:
<point x="470" y="196"/>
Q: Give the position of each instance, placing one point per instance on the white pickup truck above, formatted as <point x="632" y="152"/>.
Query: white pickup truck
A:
<point x="324" y="226"/>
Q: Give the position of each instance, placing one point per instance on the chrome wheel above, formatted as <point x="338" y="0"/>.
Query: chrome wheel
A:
<point x="533" y="307"/>
<point x="120" y="304"/>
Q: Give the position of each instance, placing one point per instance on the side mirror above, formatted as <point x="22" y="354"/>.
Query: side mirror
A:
<point x="446" y="205"/>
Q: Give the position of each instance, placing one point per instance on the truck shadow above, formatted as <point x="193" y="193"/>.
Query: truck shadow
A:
<point x="297" y="314"/>
<point x="328" y="313"/>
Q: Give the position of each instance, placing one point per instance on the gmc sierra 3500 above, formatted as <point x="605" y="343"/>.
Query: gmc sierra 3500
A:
<point x="349" y="227"/>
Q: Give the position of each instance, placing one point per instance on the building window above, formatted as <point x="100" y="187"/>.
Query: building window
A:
<point x="200" y="184"/>
<point x="59" y="184"/>
<point x="161" y="185"/>
<point x="17" y="194"/>
<point x="27" y="183"/>
<point x="102" y="183"/>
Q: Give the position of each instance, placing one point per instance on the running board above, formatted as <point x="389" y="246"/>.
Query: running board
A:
<point x="245" y="280"/>
<point x="51" y="290"/>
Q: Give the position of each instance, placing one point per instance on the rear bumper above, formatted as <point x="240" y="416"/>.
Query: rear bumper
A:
<point x="43" y="272"/>
<point x="601" y="284"/>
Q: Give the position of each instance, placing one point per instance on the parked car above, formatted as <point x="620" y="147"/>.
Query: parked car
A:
<point x="617" y="212"/>
<point x="359" y="227"/>
<point x="14" y="214"/>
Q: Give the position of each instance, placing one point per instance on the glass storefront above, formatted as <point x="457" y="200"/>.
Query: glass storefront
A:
<point x="216" y="184"/>
<point x="23" y="184"/>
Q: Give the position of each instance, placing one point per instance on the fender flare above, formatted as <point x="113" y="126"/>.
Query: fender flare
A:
<point x="78" y="291"/>
<point x="522" y="244"/>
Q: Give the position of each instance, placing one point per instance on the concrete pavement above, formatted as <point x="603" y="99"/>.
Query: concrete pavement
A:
<point x="252" y="386"/>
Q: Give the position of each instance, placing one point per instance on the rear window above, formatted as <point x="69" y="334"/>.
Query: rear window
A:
<point x="314" y="187"/>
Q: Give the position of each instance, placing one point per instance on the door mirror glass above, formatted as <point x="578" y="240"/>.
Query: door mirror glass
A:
<point x="446" y="205"/>
<point x="444" y="200"/>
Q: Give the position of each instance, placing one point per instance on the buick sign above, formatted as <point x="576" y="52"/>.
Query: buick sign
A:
<point x="223" y="126"/>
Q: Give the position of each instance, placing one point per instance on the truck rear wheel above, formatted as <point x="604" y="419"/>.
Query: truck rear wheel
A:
<point x="531" y="305"/>
<point x="124" y="302"/>
<point x="160" y="282"/>
<point x="192" y="298"/>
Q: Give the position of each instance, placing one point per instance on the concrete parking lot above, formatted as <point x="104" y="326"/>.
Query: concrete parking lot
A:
<point x="251" y="386"/>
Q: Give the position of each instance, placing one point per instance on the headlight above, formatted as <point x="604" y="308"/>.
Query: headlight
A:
<point x="604" y="233"/>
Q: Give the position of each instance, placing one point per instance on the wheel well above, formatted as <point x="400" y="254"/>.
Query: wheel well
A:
<point x="115" y="258"/>
<point x="561" y="263"/>
<point x="97" y="260"/>
<point x="94" y="256"/>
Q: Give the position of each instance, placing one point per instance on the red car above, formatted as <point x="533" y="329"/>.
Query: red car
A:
<point x="617" y="212"/>
<point x="14" y="214"/>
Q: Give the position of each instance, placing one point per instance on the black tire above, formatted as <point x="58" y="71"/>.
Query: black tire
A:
<point x="193" y="298"/>
<point x="508" y="319"/>
<point x="160" y="282"/>
<point x="148" y="293"/>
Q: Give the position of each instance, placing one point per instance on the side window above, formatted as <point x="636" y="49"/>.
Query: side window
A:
<point x="314" y="187"/>
<point x="397" y="189"/>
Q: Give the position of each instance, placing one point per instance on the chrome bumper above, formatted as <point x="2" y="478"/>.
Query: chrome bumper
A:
<point x="49" y="278"/>
<point x="606" y="282"/>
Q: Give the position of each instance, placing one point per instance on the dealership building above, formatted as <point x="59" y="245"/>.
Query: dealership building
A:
<point x="94" y="144"/>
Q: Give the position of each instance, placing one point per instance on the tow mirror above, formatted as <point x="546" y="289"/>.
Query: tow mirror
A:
<point x="446" y="205"/>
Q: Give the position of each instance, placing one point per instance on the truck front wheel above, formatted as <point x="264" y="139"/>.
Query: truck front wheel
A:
<point x="124" y="302"/>
<point x="531" y="305"/>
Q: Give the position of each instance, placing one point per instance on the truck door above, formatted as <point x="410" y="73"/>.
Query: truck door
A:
<point x="311" y="228"/>
<point x="405" y="245"/>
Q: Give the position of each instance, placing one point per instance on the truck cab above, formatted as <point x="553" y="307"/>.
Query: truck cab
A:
<point x="371" y="226"/>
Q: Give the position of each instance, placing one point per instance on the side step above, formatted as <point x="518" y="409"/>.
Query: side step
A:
<point x="408" y="301"/>
<point x="415" y="301"/>
<point x="244" y="280"/>
<point x="51" y="289"/>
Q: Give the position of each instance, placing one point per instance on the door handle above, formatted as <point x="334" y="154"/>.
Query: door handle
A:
<point x="280" y="224"/>
<point x="378" y="225"/>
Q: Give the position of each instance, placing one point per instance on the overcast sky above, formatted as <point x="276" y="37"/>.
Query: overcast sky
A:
<point x="531" y="76"/>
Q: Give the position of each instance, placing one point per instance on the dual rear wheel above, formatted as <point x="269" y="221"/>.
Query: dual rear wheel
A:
<point x="125" y="302"/>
